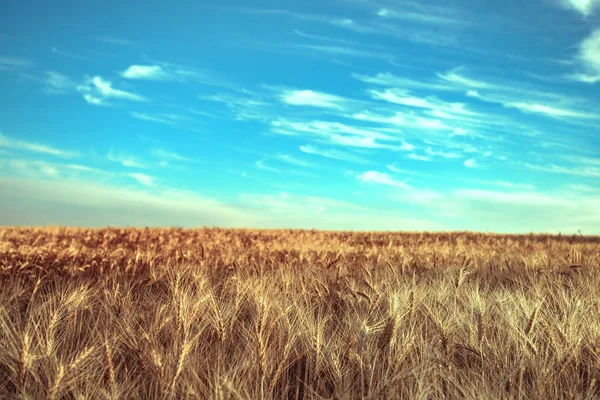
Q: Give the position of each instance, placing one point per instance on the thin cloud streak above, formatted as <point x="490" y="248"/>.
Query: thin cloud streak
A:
<point x="144" y="179"/>
<point x="97" y="90"/>
<point x="16" y="144"/>
<point x="332" y="154"/>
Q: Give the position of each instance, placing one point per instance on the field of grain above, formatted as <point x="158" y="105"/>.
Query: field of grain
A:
<point x="249" y="314"/>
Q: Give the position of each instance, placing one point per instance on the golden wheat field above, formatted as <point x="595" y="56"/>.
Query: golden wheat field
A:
<point x="250" y="314"/>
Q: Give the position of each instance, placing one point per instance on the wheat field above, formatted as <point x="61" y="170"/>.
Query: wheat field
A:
<point x="252" y="314"/>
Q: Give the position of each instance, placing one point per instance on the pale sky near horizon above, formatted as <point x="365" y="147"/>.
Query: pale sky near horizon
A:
<point x="338" y="114"/>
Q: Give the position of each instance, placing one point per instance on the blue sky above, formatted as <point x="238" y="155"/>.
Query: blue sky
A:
<point x="339" y="114"/>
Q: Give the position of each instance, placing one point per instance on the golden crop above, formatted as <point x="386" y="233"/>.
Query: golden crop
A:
<point x="251" y="314"/>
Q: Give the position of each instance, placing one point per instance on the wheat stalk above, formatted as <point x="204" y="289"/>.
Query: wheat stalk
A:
<point x="531" y="321"/>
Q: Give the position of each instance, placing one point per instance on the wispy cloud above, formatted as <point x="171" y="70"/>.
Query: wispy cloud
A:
<point x="454" y="77"/>
<point x="535" y="107"/>
<point x="406" y="192"/>
<point x="144" y="179"/>
<point x="582" y="160"/>
<point x="97" y="90"/>
<point x="36" y="168"/>
<point x="14" y="63"/>
<point x="551" y="111"/>
<point x="441" y="153"/>
<point x="585" y="171"/>
<point x="443" y="108"/>
<point x="336" y="50"/>
<point x="17" y="144"/>
<point x="57" y="83"/>
<point x="262" y="165"/>
<point x="49" y="170"/>
<point x="286" y="158"/>
<point x="391" y="80"/>
<point x="420" y="17"/>
<point x="470" y="163"/>
<point x="125" y="160"/>
<point x="156" y="70"/>
<point x="589" y="58"/>
<point x="585" y="7"/>
<point x="248" y="106"/>
<point x="340" y="134"/>
<point x="336" y="40"/>
<point x="511" y="185"/>
<point x="312" y="99"/>
<point x="67" y="54"/>
<point x="333" y="154"/>
<point x="147" y="72"/>
<point x="381" y="178"/>
<point x="412" y="120"/>
<point x="115" y="41"/>
<point x="161" y="118"/>
<point x="166" y="155"/>
<point x="418" y="157"/>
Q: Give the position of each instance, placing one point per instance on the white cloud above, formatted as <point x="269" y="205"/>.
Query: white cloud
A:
<point x="470" y="163"/>
<point x="585" y="78"/>
<point x="16" y="144"/>
<point x="589" y="58"/>
<point x="167" y="119"/>
<point x="353" y="141"/>
<point x="454" y="77"/>
<point x="585" y="7"/>
<point x="262" y="165"/>
<point x="593" y="172"/>
<point x="443" y="154"/>
<point x="414" y="120"/>
<point x="69" y="55"/>
<point x="390" y="80"/>
<point x="125" y="160"/>
<point x="511" y="185"/>
<point x="407" y="194"/>
<point x="58" y="83"/>
<point x="96" y="90"/>
<point x="393" y="168"/>
<point x="105" y="89"/>
<point x="419" y="17"/>
<point x="46" y="169"/>
<point x="312" y="98"/>
<point x="332" y="153"/>
<point x="551" y="111"/>
<point x="249" y="106"/>
<point x="149" y="72"/>
<point x="447" y="109"/>
<point x="286" y="158"/>
<point x="331" y="50"/>
<point x="583" y="160"/>
<point x="49" y="170"/>
<point x="340" y="134"/>
<point x="115" y="40"/>
<point x="381" y="179"/>
<point x="171" y="156"/>
<point x="14" y="63"/>
<point x="164" y="71"/>
<point x="383" y="12"/>
<point x="144" y="179"/>
<point x="535" y="107"/>
<point x="418" y="157"/>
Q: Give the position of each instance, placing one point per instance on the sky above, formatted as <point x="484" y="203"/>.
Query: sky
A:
<point x="335" y="114"/>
